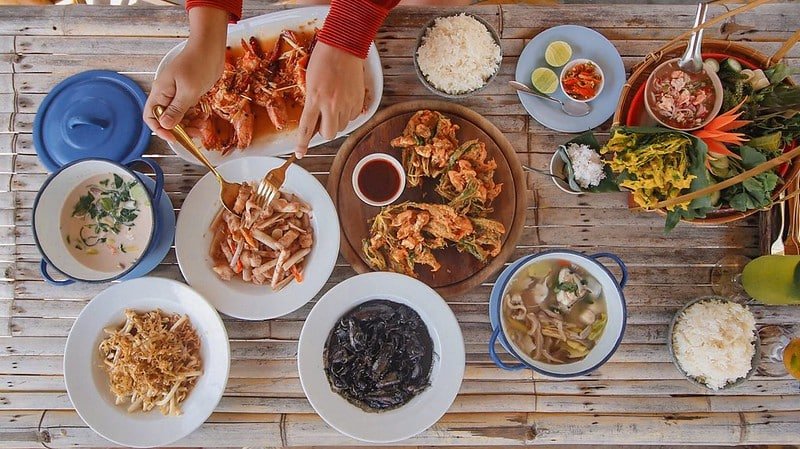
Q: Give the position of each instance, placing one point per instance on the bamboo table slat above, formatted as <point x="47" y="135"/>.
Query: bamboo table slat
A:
<point x="637" y="398"/>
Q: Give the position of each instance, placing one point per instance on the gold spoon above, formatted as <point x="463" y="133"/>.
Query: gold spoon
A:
<point x="229" y="191"/>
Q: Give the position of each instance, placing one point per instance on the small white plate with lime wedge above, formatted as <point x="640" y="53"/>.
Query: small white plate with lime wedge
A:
<point x="585" y="44"/>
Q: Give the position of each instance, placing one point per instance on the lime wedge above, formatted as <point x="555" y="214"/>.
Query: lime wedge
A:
<point x="558" y="53"/>
<point x="544" y="80"/>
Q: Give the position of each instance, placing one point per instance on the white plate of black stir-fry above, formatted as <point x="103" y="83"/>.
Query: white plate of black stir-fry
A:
<point x="381" y="357"/>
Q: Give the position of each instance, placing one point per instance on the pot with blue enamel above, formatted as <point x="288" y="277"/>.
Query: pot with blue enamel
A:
<point x="96" y="219"/>
<point x="560" y="313"/>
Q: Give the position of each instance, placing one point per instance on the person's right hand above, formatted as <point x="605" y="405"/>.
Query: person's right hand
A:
<point x="334" y="94"/>
<point x="192" y="73"/>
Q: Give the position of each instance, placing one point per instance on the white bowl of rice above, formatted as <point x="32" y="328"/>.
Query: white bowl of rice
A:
<point x="586" y="168"/>
<point x="458" y="55"/>
<point x="714" y="342"/>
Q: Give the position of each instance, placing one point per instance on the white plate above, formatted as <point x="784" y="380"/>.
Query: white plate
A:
<point x="87" y="383"/>
<point x="270" y="25"/>
<point x="243" y="299"/>
<point x="446" y="373"/>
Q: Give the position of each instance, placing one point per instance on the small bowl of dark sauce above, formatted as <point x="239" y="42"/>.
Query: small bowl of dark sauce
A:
<point x="379" y="179"/>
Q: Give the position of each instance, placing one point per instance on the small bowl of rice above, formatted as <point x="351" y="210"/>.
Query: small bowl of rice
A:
<point x="576" y="168"/>
<point x="457" y="56"/>
<point x="714" y="342"/>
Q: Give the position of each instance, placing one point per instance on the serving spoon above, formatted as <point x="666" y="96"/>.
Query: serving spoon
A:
<point x="571" y="108"/>
<point x="228" y="191"/>
<point x="692" y="59"/>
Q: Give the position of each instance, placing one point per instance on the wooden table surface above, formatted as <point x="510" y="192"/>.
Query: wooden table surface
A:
<point x="638" y="397"/>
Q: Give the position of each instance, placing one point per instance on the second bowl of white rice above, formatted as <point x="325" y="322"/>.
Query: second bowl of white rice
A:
<point x="714" y="342"/>
<point x="457" y="56"/>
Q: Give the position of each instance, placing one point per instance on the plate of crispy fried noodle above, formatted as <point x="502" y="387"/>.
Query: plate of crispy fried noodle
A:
<point x="137" y="356"/>
<point x="258" y="263"/>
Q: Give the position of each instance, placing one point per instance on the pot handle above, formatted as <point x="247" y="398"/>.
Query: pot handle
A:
<point x="49" y="279"/>
<point x="619" y="262"/>
<point x="157" y="192"/>
<point x="159" y="188"/>
<point x="496" y="359"/>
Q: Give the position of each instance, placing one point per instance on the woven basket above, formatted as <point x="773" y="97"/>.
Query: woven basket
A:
<point x="731" y="49"/>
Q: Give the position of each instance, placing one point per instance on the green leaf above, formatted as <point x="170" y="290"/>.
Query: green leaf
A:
<point x="752" y="185"/>
<point x="83" y="205"/>
<point x="751" y="157"/>
<point x="673" y="218"/>
<point x="779" y="72"/>
<point x="107" y="204"/>
<point x="741" y="202"/>
<point x="117" y="181"/>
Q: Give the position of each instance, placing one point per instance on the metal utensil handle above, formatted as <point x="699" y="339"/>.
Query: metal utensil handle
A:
<point x="692" y="52"/>
<point x="521" y="87"/>
<point x="496" y="359"/>
<point x="186" y="141"/>
<point x="720" y="18"/>
<point x="542" y="172"/>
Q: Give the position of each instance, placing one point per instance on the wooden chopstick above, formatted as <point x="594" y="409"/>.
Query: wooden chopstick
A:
<point x="793" y="39"/>
<point x="761" y="168"/>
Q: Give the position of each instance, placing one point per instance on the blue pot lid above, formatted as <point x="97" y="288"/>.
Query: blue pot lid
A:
<point x="94" y="114"/>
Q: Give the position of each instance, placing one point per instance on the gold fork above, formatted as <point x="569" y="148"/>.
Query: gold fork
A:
<point x="269" y="187"/>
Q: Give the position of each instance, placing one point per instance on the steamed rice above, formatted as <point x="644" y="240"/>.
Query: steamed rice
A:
<point x="713" y="342"/>
<point x="587" y="166"/>
<point x="458" y="54"/>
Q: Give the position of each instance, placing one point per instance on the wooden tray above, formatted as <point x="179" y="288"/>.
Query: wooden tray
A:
<point x="460" y="272"/>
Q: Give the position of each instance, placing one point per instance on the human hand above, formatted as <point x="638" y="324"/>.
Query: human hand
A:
<point x="334" y="94"/>
<point x="191" y="74"/>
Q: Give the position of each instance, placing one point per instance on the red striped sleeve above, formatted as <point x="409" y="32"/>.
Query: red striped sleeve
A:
<point x="351" y="25"/>
<point x="233" y="7"/>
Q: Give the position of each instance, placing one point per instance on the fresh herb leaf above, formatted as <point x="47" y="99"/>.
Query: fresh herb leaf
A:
<point x="569" y="287"/>
<point x="110" y="210"/>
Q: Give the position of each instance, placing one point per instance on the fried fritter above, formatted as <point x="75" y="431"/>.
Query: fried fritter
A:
<point x="469" y="182"/>
<point x="403" y="235"/>
<point x="428" y="141"/>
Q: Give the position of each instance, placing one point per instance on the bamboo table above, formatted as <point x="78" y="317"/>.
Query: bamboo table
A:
<point x="636" y="398"/>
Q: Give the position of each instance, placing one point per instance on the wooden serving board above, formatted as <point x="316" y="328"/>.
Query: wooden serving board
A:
<point x="460" y="272"/>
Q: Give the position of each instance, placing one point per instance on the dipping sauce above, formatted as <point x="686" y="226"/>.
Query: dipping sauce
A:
<point x="680" y="99"/>
<point x="379" y="180"/>
<point x="106" y="222"/>
<point x="582" y="81"/>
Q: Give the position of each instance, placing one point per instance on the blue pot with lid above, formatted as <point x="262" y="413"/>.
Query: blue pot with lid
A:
<point x="97" y="218"/>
